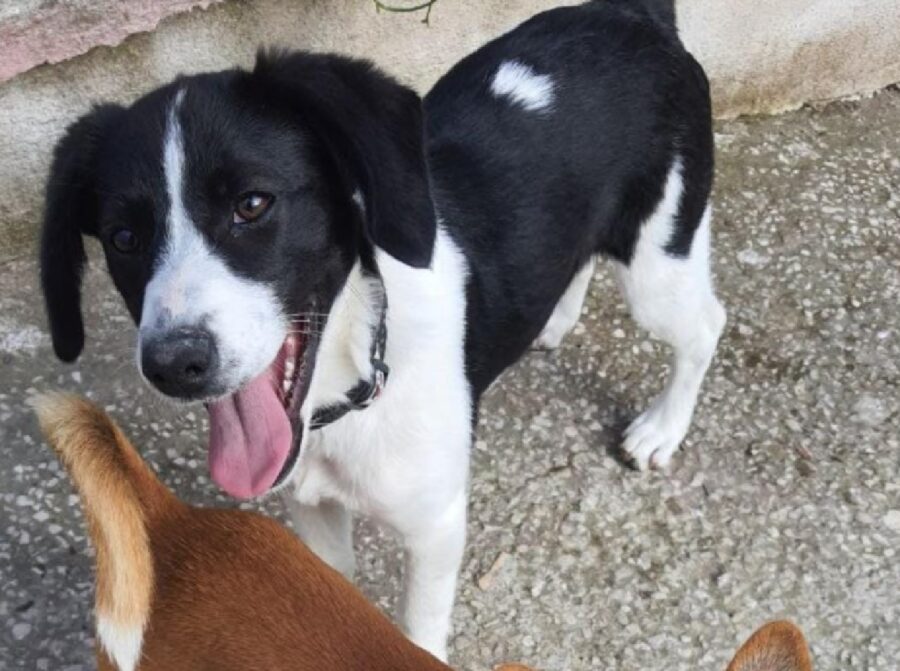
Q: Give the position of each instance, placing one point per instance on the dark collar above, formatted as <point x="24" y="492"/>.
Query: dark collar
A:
<point x="365" y="391"/>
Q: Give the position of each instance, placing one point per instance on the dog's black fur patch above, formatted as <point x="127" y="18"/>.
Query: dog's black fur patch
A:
<point x="528" y="197"/>
<point x="531" y="196"/>
<point x="72" y="204"/>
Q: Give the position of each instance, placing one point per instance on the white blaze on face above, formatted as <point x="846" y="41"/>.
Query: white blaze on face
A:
<point x="524" y="86"/>
<point x="193" y="287"/>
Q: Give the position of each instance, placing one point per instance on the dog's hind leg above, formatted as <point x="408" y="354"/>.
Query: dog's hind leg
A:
<point x="672" y="296"/>
<point x="568" y="310"/>
<point x="327" y="528"/>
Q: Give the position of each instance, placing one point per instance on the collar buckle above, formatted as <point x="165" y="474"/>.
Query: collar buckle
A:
<point x="379" y="381"/>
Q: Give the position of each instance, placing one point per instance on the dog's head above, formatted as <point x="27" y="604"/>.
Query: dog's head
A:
<point x="231" y="208"/>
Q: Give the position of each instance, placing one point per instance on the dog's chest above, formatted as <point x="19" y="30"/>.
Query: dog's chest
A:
<point x="321" y="478"/>
<point x="351" y="462"/>
<point x="407" y="451"/>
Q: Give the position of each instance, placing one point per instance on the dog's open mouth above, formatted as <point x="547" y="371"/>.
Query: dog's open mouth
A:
<point x="256" y="432"/>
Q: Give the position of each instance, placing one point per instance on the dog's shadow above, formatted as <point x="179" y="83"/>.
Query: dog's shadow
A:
<point x="553" y="399"/>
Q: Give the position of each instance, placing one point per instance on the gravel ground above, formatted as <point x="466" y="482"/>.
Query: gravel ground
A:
<point x="785" y="501"/>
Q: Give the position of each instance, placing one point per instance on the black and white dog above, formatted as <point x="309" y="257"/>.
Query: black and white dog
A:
<point x="339" y="271"/>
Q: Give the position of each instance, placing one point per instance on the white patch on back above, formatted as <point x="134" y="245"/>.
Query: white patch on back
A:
<point x="121" y="642"/>
<point x="521" y="84"/>
<point x="193" y="287"/>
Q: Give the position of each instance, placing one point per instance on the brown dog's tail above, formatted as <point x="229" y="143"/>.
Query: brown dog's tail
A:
<point x="119" y="494"/>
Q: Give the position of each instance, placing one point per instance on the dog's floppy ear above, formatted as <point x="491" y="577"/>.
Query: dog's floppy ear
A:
<point x="71" y="210"/>
<point x="375" y="128"/>
<point x="777" y="646"/>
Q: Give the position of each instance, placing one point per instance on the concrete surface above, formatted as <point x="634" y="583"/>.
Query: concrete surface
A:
<point x="761" y="56"/>
<point x="784" y="503"/>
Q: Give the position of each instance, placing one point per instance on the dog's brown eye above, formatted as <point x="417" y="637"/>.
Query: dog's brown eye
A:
<point x="124" y="240"/>
<point x="251" y="207"/>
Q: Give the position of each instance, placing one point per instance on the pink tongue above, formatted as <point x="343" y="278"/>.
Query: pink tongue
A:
<point x="249" y="438"/>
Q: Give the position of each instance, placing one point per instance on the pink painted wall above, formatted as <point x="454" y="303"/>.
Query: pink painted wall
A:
<point x="33" y="32"/>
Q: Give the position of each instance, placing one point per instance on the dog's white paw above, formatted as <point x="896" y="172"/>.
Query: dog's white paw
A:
<point x="549" y="339"/>
<point x="652" y="438"/>
<point x="557" y="328"/>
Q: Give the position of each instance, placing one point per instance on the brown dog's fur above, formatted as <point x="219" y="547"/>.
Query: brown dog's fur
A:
<point x="218" y="589"/>
<point x="778" y="646"/>
<point x="229" y="590"/>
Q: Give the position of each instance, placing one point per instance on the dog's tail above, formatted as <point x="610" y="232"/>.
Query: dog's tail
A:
<point x="119" y="495"/>
<point x="662" y="11"/>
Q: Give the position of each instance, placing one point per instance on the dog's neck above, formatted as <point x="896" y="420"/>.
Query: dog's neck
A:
<point x="424" y="317"/>
<point x="348" y="344"/>
<point x="368" y="387"/>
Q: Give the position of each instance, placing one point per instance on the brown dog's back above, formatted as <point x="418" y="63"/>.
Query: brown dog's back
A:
<point x="184" y="588"/>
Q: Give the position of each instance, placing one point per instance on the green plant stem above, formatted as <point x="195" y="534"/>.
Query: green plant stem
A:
<point x="379" y="5"/>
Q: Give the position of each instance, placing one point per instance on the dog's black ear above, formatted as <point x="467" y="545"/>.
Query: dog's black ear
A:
<point x="71" y="210"/>
<point x="375" y="127"/>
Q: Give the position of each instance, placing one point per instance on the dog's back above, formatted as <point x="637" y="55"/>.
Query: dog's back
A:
<point x="184" y="588"/>
<point x="554" y="143"/>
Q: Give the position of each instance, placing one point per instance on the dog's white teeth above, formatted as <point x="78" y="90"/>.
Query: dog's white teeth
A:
<point x="288" y="376"/>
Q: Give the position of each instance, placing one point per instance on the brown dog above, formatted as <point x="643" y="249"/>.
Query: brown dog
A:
<point x="181" y="588"/>
<point x="185" y="588"/>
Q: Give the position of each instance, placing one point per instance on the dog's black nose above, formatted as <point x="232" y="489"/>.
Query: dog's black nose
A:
<point x="181" y="363"/>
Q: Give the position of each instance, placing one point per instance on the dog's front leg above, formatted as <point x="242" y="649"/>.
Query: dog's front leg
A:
<point x="327" y="529"/>
<point x="433" y="557"/>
